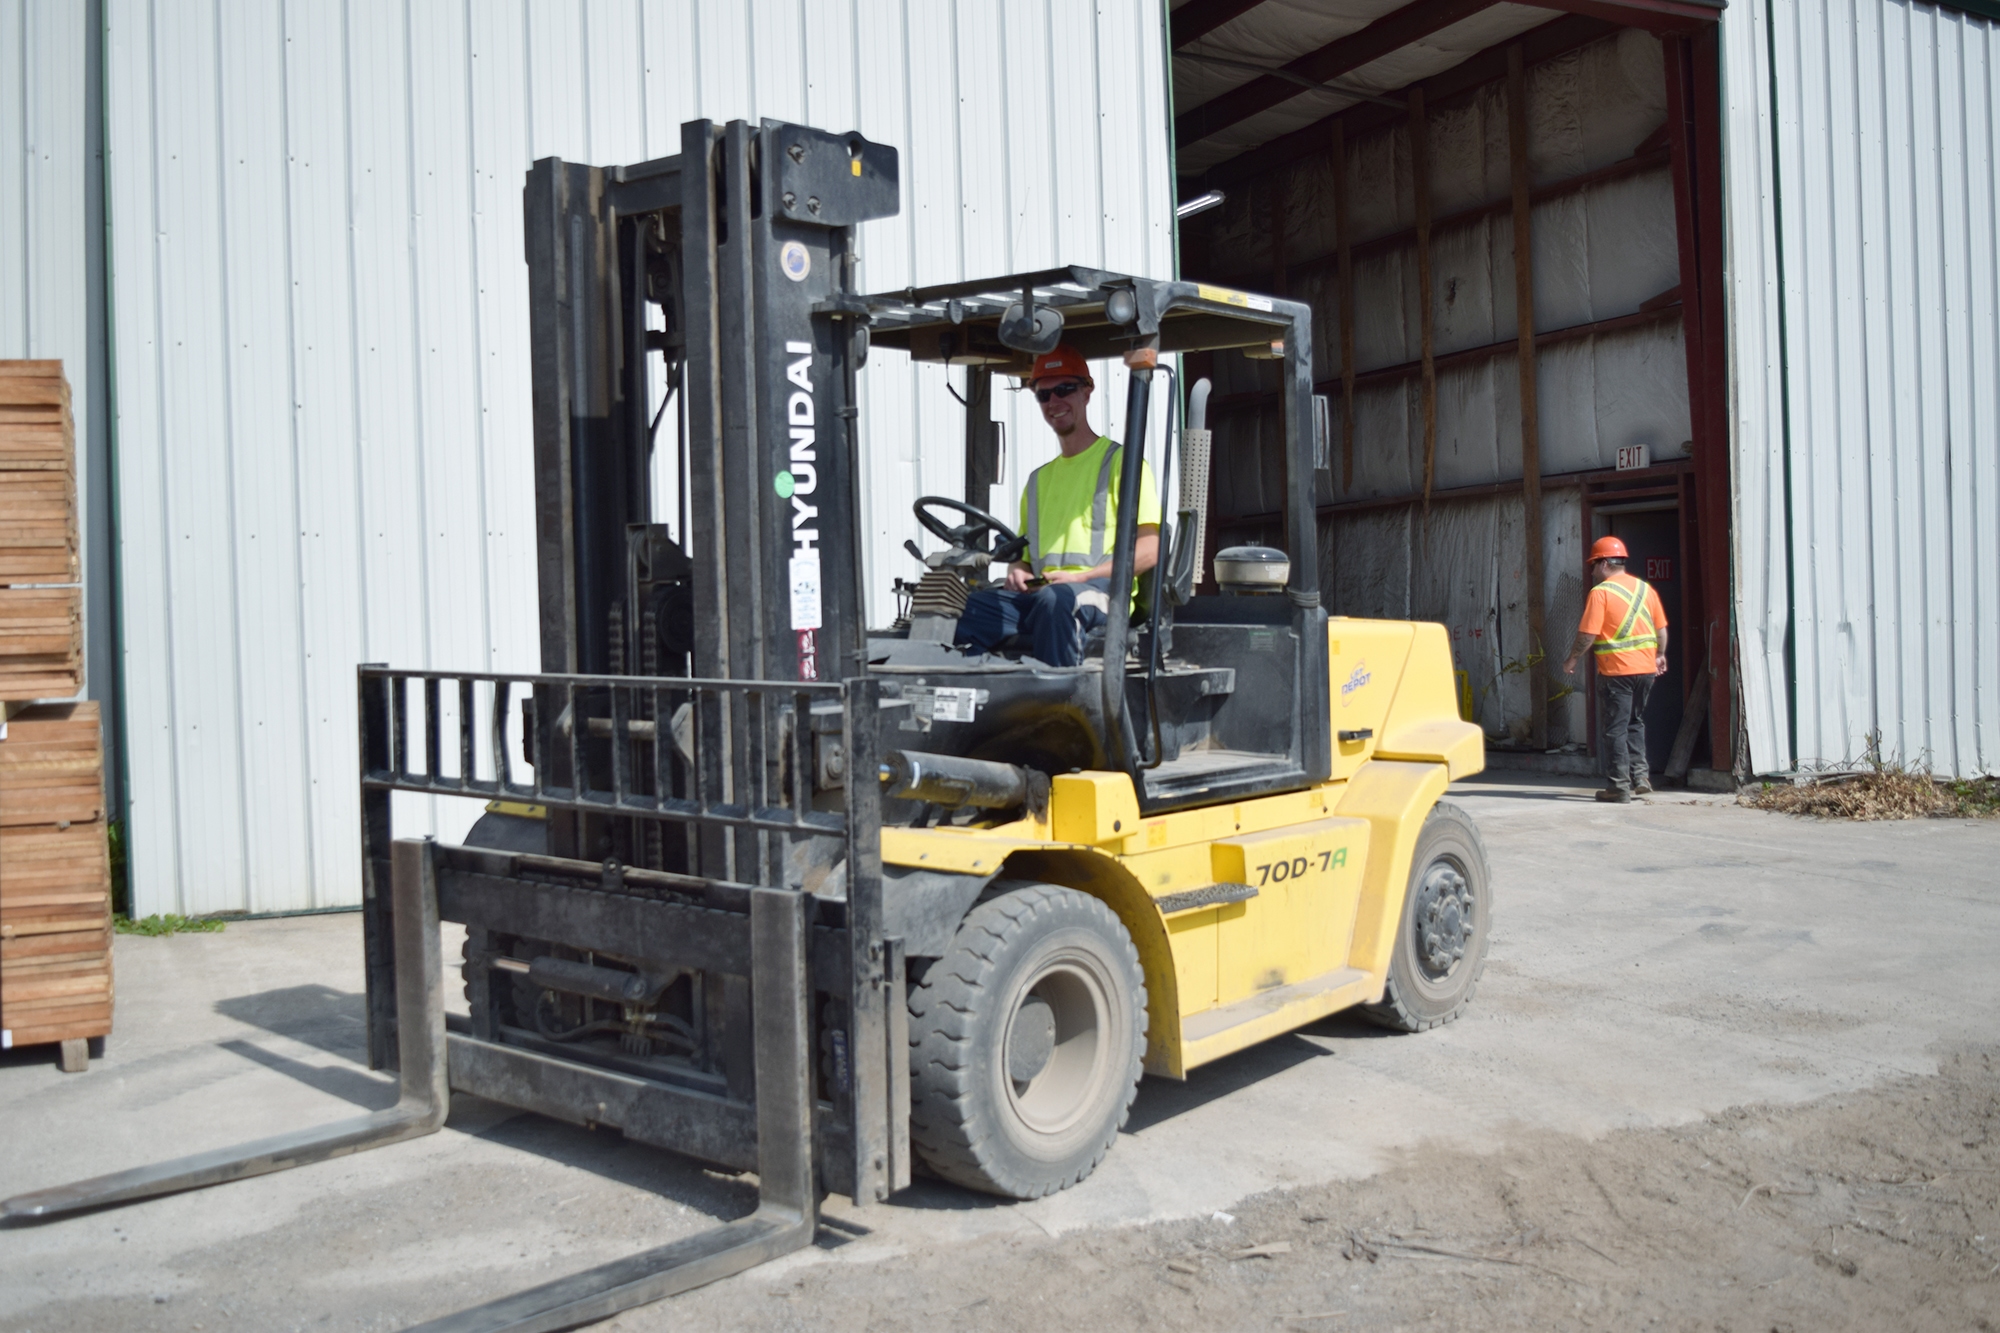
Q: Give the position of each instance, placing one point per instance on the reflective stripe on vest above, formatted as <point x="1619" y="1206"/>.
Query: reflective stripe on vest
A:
<point x="1099" y="503"/>
<point x="1635" y="609"/>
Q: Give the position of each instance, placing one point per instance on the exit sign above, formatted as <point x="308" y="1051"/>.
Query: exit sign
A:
<point x="1659" y="569"/>
<point x="1632" y="457"/>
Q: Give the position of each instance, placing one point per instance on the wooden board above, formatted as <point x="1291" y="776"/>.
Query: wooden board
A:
<point x="41" y="642"/>
<point x="55" y="878"/>
<point x="38" y="528"/>
<point x="37" y="429"/>
<point x="55" y="888"/>
<point x="52" y="766"/>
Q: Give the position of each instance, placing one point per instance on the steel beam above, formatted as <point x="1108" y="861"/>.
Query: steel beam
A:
<point x="1554" y="38"/>
<point x="1660" y="16"/>
<point x="1198" y="18"/>
<point x="1384" y="36"/>
<point x="1648" y="159"/>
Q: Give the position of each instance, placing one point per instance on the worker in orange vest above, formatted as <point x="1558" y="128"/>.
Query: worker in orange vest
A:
<point x="1625" y="628"/>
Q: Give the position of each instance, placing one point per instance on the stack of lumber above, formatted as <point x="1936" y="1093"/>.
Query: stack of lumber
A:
<point x="55" y="878"/>
<point x="55" y="875"/>
<point x="41" y="627"/>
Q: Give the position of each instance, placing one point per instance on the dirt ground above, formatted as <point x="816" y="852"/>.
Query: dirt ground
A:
<point x="1872" y="1210"/>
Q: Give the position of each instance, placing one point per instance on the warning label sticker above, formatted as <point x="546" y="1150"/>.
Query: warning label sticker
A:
<point x="944" y="703"/>
<point x="805" y="590"/>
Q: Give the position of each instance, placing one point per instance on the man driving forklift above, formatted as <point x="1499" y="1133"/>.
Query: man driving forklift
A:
<point x="1060" y="590"/>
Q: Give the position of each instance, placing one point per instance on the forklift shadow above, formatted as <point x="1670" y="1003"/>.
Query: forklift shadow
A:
<point x="1567" y="795"/>
<point x="711" y="1191"/>
<point x="1161" y="1100"/>
<point x="334" y="1021"/>
<point x="370" y="1092"/>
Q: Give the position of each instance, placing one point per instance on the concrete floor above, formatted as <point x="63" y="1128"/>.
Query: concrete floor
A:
<point x="1650" y="964"/>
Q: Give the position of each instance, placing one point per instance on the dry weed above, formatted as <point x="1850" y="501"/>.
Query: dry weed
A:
<point x="1886" y="791"/>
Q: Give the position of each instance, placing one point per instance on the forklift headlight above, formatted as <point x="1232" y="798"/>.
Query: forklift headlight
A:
<point x="1122" y="306"/>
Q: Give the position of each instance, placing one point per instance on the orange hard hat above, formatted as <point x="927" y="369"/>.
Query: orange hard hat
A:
<point x="1607" y="548"/>
<point x="1065" y="362"/>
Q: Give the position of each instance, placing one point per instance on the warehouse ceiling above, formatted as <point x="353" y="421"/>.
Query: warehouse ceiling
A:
<point x="1249" y="71"/>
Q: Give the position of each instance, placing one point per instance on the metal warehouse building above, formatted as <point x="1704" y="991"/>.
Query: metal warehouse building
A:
<point x="279" y="245"/>
<point x="1761" y="343"/>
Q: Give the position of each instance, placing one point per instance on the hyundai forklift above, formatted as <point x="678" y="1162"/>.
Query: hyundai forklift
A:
<point x="792" y="895"/>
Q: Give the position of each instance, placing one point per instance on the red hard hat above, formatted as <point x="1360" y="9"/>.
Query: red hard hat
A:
<point x="1065" y="362"/>
<point x="1607" y="548"/>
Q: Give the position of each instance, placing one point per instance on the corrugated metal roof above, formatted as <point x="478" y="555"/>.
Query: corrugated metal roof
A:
<point x="1864" y="224"/>
<point x="322" y="337"/>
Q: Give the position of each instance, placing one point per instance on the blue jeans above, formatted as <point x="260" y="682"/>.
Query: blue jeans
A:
<point x="1048" y="615"/>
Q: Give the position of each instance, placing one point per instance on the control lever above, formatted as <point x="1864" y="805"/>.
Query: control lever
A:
<point x="1181" y="559"/>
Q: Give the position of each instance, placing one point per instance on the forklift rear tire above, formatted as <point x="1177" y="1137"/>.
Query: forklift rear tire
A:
<point x="1447" y="914"/>
<point x="1025" y="1042"/>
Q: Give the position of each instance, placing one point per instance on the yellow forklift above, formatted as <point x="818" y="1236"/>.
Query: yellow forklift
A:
<point x="787" y="894"/>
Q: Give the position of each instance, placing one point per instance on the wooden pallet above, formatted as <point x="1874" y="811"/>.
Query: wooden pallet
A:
<point x="52" y="766"/>
<point x="41" y="642"/>
<point x="37" y="431"/>
<point x="38" y="536"/>
<point x="41" y="627"/>
<point x="55" y="881"/>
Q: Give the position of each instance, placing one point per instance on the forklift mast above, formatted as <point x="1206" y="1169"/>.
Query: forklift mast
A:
<point x="739" y="241"/>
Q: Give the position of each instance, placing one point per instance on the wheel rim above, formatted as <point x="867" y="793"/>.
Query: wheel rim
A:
<point x="1443" y="920"/>
<point x="1055" y="1058"/>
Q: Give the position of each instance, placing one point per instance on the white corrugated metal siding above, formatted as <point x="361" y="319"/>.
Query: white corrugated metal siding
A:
<point x="321" y="335"/>
<point x="49" y="271"/>
<point x="1864" y="224"/>
<point x="44" y="167"/>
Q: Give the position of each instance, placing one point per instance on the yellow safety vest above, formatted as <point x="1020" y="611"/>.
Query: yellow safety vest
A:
<point x="1637" y="630"/>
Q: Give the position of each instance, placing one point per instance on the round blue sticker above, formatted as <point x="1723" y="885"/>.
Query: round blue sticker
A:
<point x="794" y="259"/>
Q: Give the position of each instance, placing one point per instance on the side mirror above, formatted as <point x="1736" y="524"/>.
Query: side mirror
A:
<point x="1027" y="327"/>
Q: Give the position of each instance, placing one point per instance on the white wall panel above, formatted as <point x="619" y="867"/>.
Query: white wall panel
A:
<point x="1863" y="220"/>
<point x="51" y="271"/>
<point x="321" y="330"/>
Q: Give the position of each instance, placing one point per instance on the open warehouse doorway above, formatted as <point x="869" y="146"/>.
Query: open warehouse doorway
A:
<point x="1492" y="407"/>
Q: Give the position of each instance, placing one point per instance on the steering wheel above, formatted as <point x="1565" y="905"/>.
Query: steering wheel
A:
<point x="1007" y="544"/>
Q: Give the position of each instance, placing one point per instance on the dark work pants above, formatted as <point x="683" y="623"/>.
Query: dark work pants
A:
<point x="1048" y="615"/>
<point x="1621" y="710"/>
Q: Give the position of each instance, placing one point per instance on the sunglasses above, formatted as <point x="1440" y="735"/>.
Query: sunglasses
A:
<point x="1058" y="391"/>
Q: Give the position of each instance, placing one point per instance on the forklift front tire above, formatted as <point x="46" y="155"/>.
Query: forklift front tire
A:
<point x="1025" y="1043"/>
<point x="1447" y="913"/>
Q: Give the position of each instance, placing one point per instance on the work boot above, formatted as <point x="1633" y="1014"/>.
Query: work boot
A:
<point x="1642" y="788"/>
<point x="1617" y="795"/>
